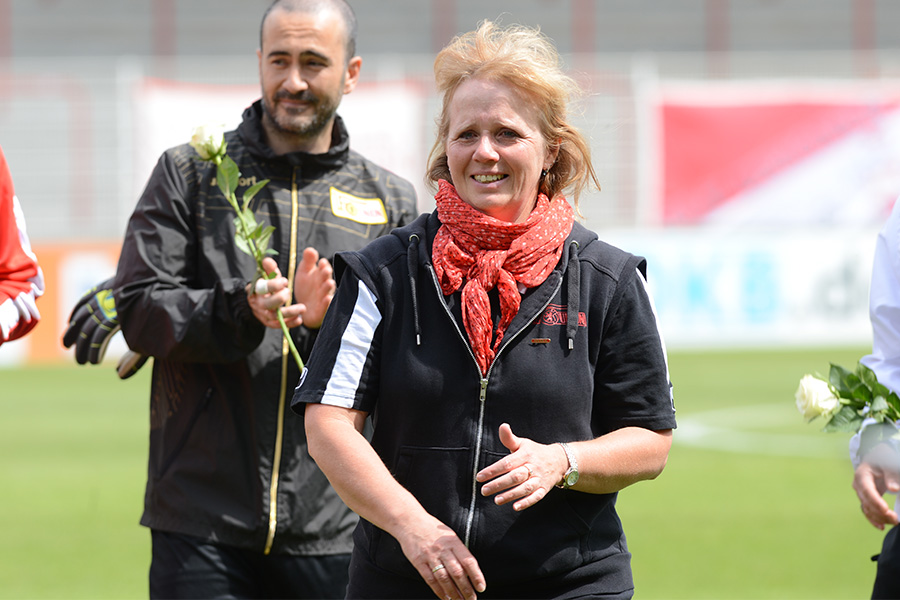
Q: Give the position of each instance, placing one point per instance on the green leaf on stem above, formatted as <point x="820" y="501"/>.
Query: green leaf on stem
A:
<point x="253" y="229"/>
<point x="240" y="239"/>
<point x="849" y="385"/>
<point x="894" y="403"/>
<point x="228" y="175"/>
<point x="846" y="420"/>
<point x="250" y="193"/>
<point x="263" y="241"/>
<point x="879" y="404"/>
<point x="862" y="392"/>
<point x="867" y="375"/>
<point x="839" y="377"/>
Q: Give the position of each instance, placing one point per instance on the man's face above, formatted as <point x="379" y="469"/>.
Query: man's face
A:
<point x="304" y="73"/>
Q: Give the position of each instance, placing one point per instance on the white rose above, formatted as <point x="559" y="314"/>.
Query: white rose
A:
<point x="209" y="141"/>
<point x="815" y="398"/>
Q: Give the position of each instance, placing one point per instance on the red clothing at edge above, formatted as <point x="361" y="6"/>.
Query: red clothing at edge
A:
<point x="21" y="278"/>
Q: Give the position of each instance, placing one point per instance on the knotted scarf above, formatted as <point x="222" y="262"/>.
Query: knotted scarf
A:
<point x="479" y="252"/>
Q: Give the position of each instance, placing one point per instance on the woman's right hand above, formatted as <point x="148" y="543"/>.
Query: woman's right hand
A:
<point x="336" y="442"/>
<point x="441" y="559"/>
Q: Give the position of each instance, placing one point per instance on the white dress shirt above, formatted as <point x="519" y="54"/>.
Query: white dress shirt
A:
<point x="884" y="313"/>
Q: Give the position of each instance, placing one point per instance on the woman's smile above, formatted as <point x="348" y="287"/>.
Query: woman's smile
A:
<point x="488" y="178"/>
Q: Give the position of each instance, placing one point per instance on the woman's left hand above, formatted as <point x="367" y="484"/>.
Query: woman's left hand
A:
<point x="527" y="474"/>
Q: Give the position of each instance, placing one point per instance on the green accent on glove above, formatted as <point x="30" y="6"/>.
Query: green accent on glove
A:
<point x="107" y="304"/>
<point x="92" y="323"/>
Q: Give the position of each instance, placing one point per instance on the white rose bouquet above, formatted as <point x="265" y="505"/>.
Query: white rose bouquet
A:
<point x="250" y="236"/>
<point x="846" y="398"/>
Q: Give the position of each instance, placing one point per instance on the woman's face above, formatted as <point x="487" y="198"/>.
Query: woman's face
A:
<point x="495" y="150"/>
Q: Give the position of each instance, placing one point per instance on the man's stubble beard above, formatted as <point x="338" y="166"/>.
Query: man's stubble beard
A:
<point x="302" y="127"/>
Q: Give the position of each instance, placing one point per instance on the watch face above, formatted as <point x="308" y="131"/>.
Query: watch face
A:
<point x="571" y="478"/>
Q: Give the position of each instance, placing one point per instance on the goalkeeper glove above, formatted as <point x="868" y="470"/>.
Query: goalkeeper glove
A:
<point x="92" y="324"/>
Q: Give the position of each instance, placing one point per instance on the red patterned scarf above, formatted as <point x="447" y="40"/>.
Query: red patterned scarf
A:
<point x="479" y="252"/>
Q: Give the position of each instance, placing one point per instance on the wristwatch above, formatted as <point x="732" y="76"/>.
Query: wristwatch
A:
<point x="570" y="477"/>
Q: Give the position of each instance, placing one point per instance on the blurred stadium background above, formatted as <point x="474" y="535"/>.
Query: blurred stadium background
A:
<point x="749" y="148"/>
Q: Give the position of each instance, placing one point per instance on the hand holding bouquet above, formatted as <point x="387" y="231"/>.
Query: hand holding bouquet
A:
<point x="846" y="398"/>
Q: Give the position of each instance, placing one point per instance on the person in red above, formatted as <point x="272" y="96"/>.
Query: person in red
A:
<point x="21" y="278"/>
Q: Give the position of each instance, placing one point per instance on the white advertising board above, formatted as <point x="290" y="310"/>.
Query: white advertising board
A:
<point x="725" y="288"/>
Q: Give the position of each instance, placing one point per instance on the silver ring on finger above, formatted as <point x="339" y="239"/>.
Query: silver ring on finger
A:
<point x="437" y="568"/>
<point x="530" y="471"/>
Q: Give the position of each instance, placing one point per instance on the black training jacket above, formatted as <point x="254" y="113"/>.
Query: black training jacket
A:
<point x="228" y="460"/>
<point x="582" y="357"/>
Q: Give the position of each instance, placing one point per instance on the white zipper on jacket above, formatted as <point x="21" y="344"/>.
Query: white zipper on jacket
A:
<point x="282" y="394"/>
<point x="470" y="518"/>
<point x="482" y="395"/>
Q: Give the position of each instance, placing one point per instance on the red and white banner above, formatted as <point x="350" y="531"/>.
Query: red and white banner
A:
<point x="772" y="153"/>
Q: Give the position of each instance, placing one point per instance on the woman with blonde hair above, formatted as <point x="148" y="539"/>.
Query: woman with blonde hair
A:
<point x="510" y="360"/>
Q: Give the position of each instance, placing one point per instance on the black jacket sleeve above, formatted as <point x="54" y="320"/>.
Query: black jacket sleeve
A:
<point x="632" y="378"/>
<point x="168" y="307"/>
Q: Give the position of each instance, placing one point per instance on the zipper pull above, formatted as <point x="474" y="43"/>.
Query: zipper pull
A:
<point x="484" y="383"/>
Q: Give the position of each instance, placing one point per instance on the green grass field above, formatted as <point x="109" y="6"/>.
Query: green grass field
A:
<point x="754" y="503"/>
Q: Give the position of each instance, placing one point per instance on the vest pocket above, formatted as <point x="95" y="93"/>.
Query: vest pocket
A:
<point x="440" y="478"/>
<point x="548" y="538"/>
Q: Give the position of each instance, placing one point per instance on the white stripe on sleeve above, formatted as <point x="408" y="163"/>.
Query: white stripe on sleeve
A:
<point x="355" y="345"/>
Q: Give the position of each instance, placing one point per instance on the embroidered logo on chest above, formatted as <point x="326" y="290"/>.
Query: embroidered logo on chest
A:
<point x="556" y="314"/>
<point x="368" y="211"/>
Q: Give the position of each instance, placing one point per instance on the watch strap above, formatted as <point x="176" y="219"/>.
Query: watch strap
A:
<point x="573" y="465"/>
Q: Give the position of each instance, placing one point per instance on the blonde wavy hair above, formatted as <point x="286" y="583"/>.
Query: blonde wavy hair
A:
<point x="528" y="61"/>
